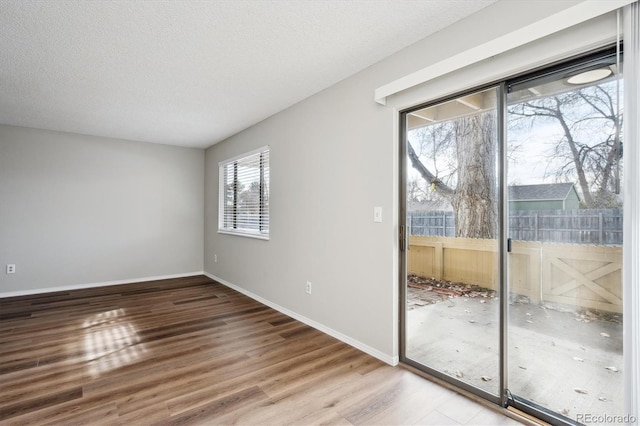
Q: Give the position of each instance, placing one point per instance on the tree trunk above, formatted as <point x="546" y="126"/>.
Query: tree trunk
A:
<point x="475" y="201"/>
<point x="577" y="159"/>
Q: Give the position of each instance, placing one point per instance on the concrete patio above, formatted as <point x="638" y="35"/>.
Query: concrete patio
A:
<point x="567" y="361"/>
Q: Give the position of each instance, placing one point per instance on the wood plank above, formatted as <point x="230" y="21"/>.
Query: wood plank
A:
<point x="21" y="407"/>
<point x="107" y="413"/>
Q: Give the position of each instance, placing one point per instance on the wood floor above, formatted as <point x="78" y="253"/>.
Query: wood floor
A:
<point x="192" y="351"/>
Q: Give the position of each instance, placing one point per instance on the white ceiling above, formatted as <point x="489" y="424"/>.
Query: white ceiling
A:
<point x="191" y="73"/>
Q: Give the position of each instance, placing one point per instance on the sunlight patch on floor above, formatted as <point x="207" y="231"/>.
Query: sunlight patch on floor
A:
<point x="114" y="344"/>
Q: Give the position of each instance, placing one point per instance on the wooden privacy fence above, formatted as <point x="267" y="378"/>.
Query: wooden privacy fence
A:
<point x="582" y="226"/>
<point x="571" y="274"/>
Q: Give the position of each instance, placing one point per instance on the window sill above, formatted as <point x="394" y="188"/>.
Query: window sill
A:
<point x="245" y="234"/>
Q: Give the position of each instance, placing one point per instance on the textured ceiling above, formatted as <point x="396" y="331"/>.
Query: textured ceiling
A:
<point x="192" y="73"/>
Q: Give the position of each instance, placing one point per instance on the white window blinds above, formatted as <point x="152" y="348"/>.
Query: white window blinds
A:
<point x="244" y="194"/>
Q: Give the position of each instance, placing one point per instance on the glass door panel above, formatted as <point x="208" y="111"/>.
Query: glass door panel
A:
<point x="451" y="318"/>
<point x="565" y="224"/>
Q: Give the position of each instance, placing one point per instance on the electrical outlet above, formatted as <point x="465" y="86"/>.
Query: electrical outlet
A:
<point x="308" y="288"/>
<point x="11" y="268"/>
<point x="215" y="258"/>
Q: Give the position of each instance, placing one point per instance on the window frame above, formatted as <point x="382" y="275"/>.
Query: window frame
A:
<point x="264" y="178"/>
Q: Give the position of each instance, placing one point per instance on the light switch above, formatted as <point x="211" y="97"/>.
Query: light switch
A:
<point x="377" y="214"/>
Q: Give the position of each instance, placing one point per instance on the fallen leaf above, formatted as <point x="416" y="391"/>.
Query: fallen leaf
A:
<point x="575" y="358"/>
<point x="602" y="398"/>
<point x="582" y="391"/>
<point x="486" y="378"/>
<point x="524" y="368"/>
<point x="459" y="373"/>
<point x="564" y="411"/>
<point x="604" y="335"/>
<point x="612" y="369"/>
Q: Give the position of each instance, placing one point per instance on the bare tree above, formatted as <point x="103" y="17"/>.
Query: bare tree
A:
<point x="590" y="149"/>
<point x="470" y="183"/>
<point x="457" y="158"/>
<point x="417" y="191"/>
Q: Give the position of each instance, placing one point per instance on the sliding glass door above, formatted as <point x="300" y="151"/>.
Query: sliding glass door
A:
<point x="452" y="310"/>
<point x="564" y="178"/>
<point x="512" y="241"/>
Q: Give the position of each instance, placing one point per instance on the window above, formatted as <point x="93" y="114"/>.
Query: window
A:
<point x="244" y="195"/>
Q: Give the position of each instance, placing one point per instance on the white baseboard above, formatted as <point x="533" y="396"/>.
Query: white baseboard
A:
<point x="98" y="284"/>
<point x="391" y="360"/>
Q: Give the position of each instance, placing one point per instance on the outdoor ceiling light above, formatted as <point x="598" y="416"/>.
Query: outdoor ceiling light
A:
<point x="590" y="76"/>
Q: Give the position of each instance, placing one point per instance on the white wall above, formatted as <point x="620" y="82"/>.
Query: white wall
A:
<point x="334" y="157"/>
<point x="78" y="210"/>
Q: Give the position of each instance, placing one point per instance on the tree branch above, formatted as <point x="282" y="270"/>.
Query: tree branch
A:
<point x="441" y="187"/>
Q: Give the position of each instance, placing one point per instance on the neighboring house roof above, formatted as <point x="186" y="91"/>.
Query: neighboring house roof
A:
<point x="547" y="191"/>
